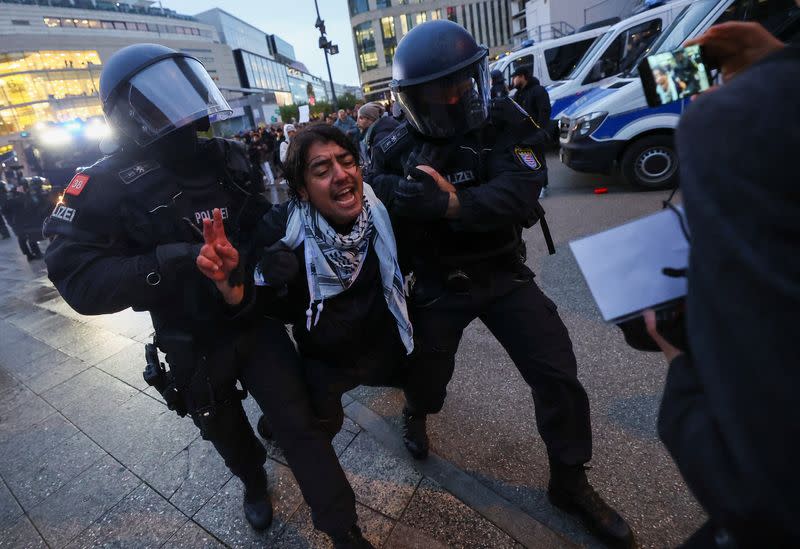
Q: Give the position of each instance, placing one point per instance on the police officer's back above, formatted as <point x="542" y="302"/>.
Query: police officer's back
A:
<point x="129" y="230"/>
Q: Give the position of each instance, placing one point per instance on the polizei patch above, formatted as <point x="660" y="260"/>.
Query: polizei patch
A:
<point x="527" y="157"/>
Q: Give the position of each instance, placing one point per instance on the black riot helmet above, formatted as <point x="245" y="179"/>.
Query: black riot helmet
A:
<point x="149" y="91"/>
<point x="440" y="78"/>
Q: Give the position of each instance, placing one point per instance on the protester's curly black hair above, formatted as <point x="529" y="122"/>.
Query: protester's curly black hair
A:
<point x="295" y="166"/>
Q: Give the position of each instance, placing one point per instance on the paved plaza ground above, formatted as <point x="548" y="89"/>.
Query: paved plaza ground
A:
<point x="90" y="456"/>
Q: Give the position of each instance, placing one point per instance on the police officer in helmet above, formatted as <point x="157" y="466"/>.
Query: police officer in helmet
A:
<point x="130" y="228"/>
<point x="461" y="179"/>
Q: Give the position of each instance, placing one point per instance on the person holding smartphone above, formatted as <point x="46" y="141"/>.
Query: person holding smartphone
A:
<point x="729" y="411"/>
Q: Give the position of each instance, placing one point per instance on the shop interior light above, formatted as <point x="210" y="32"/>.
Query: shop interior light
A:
<point x="55" y="136"/>
<point x="97" y="129"/>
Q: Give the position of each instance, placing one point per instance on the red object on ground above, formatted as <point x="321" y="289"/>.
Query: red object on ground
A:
<point x="601" y="190"/>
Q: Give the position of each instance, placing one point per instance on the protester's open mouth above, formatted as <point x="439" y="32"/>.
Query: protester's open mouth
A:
<point x="346" y="198"/>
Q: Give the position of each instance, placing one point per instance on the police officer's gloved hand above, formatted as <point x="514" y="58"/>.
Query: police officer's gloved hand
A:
<point x="419" y="196"/>
<point x="278" y="265"/>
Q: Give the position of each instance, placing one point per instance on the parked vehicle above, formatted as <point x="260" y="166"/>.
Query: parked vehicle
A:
<point x="611" y="127"/>
<point x="614" y="53"/>
<point x="550" y="60"/>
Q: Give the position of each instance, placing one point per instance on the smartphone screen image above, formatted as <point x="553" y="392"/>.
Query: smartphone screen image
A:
<point x="674" y="75"/>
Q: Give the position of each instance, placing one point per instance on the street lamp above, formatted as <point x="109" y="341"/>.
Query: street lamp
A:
<point x="329" y="48"/>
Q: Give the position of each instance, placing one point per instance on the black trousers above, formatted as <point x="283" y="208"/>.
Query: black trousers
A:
<point x="527" y="325"/>
<point x="28" y="244"/>
<point x="207" y="377"/>
<point x="278" y="382"/>
<point x="3" y="227"/>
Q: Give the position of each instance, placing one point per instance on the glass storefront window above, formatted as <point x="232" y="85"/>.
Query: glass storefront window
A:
<point x="383" y="4"/>
<point x="389" y="38"/>
<point x="365" y="44"/>
<point x="436" y="14"/>
<point x="358" y="6"/>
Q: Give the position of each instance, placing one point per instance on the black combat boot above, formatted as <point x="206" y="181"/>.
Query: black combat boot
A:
<point x="415" y="435"/>
<point x="36" y="252"/>
<point x="570" y="491"/>
<point x="257" y="506"/>
<point x="352" y="540"/>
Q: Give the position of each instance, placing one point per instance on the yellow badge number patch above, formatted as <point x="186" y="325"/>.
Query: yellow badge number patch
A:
<point x="527" y="157"/>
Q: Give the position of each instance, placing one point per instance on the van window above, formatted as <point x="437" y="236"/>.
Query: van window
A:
<point x="775" y="15"/>
<point x="622" y="53"/>
<point x="523" y="61"/>
<point x="562" y="59"/>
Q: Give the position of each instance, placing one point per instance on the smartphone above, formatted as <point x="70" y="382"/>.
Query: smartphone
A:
<point x="675" y="75"/>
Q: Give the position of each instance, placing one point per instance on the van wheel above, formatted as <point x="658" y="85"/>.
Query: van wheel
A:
<point x="651" y="163"/>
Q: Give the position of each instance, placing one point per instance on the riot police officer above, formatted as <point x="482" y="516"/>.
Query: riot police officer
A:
<point x="129" y="230"/>
<point x="461" y="178"/>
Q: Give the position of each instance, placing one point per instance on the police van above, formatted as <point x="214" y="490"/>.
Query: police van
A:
<point x="550" y="60"/>
<point x="612" y="128"/>
<point x="613" y="53"/>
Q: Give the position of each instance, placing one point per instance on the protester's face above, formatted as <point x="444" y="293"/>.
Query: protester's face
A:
<point x="661" y="77"/>
<point x="364" y="123"/>
<point x="291" y="133"/>
<point x="518" y="81"/>
<point x="342" y="115"/>
<point x="333" y="183"/>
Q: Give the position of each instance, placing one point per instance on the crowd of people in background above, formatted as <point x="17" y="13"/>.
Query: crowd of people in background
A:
<point x="366" y="124"/>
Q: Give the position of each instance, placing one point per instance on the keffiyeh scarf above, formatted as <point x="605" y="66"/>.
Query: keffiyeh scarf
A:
<point x="333" y="261"/>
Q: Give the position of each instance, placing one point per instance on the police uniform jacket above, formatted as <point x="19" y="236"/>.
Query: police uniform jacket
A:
<point x="497" y="176"/>
<point x="129" y="229"/>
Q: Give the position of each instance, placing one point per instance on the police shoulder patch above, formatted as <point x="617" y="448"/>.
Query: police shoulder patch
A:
<point x="527" y="157"/>
<point x="129" y="175"/>
<point x="77" y="184"/>
<point x="394" y="138"/>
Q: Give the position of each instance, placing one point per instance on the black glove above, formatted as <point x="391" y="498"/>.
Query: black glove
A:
<point x="278" y="265"/>
<point x="419" y="196"/>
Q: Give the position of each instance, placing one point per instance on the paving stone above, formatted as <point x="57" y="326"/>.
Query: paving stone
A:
<point x="91" y="389"/>
<point x="7" y="382"/>
<point x="351" y="426"/>
<point x="10" y="511"/>
<point x="15" y="357"/>
<point x="342" y="440"/>
<point x="127" y="323"/>
<point x="34" y="441"/>
<point x="190" y="478"/>
<point x="37" y="478"/>
<point x="452" y="523"/>
<point x="142" y="519"/>
<point x="66" y="333"/>
<point x="223" y="516"/>
<point x="192" y="536"/>
<point x="21" y="418"/>
<point x="54" y="325"/>
<point x="96" y="346"/>
<point x="27" y="319"/>
<point x="405" y="537"/>
<point x="41" y="364"/>
<point x="379" y="479"/>
<point x="142" y="434"/>
<point x="69" y="511"/>
<point x="53" y="374"/>
<point x="9" y="307"/>
<point x="301" y="534"/>
<point x="127" y="365"/>
<point x="21" y="535"/>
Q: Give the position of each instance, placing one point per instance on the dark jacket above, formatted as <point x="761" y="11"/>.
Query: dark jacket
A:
<point x="497" y="175"/>
<point x="354" y="324"/>
<point x="379" y="131"/>
<point x="129" y="230"/>
<point x="535" y="100"/>
<point x="729" y="415"/>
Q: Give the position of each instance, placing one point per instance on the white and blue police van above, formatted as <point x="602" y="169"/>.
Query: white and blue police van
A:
<point x="613" y="53"/>
<point x="611" y="128"/>
<point x="549" y="60"/>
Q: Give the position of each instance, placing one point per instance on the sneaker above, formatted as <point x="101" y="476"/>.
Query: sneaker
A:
<point x="415" y="435"/>
<point x="578" y="498"/>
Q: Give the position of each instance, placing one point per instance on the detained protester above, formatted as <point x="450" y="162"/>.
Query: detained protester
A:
<point x="128" y="233"/>
<point x="460" y="186"/>
<point x="331" y="271"/>
<point x="729" y="413"/>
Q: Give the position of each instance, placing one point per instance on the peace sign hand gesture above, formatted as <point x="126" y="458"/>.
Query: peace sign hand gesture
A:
<point x="218" y="258"/>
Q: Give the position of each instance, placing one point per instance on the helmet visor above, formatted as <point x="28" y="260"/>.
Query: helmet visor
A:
<point x="165" y="96"/>
<point x="449" y="105"/>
